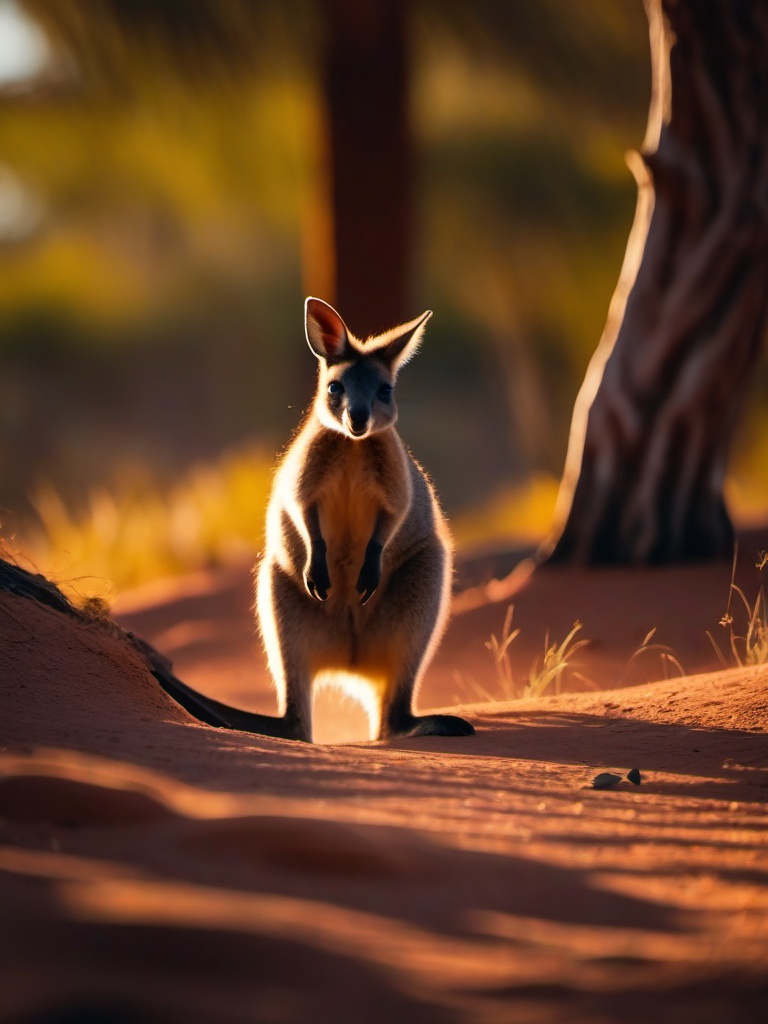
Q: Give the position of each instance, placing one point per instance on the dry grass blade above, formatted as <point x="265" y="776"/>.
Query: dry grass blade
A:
<point x="754" y="643"/>
<point x="468" y="686"/>
<point x="666" y="654"/>
<point x="499" y="648"/>
<point x="752" y="647"/>
<point x="557" y="658"/>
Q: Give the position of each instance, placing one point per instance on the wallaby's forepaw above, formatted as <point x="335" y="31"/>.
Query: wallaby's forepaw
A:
<point x="316" y="579"/>
<point x="369" y="578"/>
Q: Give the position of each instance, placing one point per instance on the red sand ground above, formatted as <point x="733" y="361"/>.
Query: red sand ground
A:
<point x="153" y="869"/>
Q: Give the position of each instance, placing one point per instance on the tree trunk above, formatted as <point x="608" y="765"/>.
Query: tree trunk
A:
<point x="360" y="257"/>
<point x="652" y="425"/>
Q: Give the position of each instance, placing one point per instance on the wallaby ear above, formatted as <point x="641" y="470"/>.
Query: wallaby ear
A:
<point x="399" y="345"/>
<point x="327" y="334"/>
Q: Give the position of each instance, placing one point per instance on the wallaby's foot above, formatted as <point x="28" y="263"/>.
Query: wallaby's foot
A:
<point x="430" y="725"/>
<point x="441" y="725"/>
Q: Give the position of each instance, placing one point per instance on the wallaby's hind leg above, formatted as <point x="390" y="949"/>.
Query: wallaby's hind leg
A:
<point x="414" y="598"/>
<point x="283" y="626"/>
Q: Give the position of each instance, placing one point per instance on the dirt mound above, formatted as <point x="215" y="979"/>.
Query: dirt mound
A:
<point x="60" y="675"/>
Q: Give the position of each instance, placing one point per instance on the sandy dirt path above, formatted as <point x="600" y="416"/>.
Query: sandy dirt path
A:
<point x="155" y="869"/>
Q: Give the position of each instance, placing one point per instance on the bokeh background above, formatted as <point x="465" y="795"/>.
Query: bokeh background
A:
<point x="160" y="208"/>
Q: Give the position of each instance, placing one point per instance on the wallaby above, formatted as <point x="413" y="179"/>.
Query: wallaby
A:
<point x="356" y="574"/>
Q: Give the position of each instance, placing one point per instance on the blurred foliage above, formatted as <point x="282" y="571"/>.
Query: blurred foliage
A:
<point x="139" y="529"/>
<point x="151" y="191"/>
<point x="746" y="488"/>
<point x="521" y="513"/>
<point x="528" y="200"/>
<point x="154" y="183"/>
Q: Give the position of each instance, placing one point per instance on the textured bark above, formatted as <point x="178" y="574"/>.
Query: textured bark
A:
<point x="361" y="250"/>
<point x="653" y="422"/>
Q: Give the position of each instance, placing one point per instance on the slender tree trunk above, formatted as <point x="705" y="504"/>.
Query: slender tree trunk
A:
<point x="652" y="424"/>
<point x="360" y="256"/>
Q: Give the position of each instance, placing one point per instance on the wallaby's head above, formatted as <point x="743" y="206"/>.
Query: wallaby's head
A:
<point x="357" y="378"/>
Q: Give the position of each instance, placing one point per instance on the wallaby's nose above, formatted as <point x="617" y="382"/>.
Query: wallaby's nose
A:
<point x="358" y="419"/>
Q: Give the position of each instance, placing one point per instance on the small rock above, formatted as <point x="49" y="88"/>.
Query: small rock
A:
<point x="605" y="780"/>
<point x="635" y="777"/>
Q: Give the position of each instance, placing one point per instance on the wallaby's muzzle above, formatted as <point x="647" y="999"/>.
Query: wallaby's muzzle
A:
<point x="357" y="420"/>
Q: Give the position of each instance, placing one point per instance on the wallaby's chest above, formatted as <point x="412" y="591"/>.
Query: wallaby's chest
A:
<point x="350" y="494"/>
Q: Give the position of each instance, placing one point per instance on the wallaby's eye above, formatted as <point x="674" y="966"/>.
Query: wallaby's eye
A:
<point x="385" y="392"/>
<point x="335" y="388"/>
